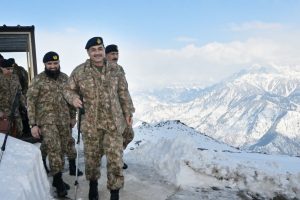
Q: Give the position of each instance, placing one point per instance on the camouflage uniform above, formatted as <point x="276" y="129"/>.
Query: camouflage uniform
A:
<point x="128" y="136"/>
<point x="9" y="85"/>
<point x="70" y="149"/>
<point x="48" y="109"/>
<point x="128" y="133"/>
<point x="106" y="102"/>
<point x="23" y="78"/>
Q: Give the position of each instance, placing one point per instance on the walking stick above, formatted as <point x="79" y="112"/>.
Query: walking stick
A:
<point x="80" y="112"/>
<point x="10" y="118"/>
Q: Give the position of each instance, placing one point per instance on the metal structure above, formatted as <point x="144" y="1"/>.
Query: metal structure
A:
<point x="20" y="39"/>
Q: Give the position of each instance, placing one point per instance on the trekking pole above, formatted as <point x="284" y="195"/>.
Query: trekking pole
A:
<point x="10" y="119"/>
<point x="80" y="112"/>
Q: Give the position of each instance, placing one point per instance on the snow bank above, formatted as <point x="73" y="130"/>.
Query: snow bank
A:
<point x="22" y="174"/>
<point x="189" y="162"/>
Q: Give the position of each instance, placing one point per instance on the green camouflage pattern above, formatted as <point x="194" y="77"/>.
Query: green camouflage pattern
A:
<point x="23" y="78"/>
<point x="105" y="94"/>
<point x="104" y="143"/>
<point x="46" y="103"/>
<point x="54" y="137"/>
<point x="128" y="136"/>
<point x="50" y="111"/>
<point x="107" y="102"/>
<point x="70" y="150"/>
<point x="9" y="85"/>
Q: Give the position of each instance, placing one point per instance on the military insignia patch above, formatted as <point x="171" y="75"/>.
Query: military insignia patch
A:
<point x="94" y="41"/>
<point x="54" y="57"/>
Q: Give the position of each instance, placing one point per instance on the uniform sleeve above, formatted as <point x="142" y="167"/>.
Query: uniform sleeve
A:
<point x="70" y="89"/>
<point x="22" y="99"/>
<point x="32" y="96"/>
<point x="25" y="87"/>
<point x="72" y="111"/>
<point x="124" y="96"/>
<point x="18" y="88"/>
<point x="2" y="94"/>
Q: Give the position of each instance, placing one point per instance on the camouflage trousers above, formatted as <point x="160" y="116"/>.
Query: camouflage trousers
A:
<point x="19" y="126"/>
<point x="96" y="144"/>
<point x="128" y="136"/>
<point x="55" y="141"/>
<point x="71" y="150"/>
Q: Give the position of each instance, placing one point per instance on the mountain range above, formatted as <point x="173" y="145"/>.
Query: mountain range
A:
<point x="255" y="109"/>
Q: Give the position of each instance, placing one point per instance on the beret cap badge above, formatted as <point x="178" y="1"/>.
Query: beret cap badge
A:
<point x="93" y="42"/>
<point x="50" y="56"/>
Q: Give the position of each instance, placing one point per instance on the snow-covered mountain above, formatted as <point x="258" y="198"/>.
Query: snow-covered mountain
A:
<point x="256" y="109"/>
<point x="204" y="168"/>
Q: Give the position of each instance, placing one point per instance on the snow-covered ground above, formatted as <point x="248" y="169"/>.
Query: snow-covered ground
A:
<point x="167" y="161"/>
<point x="193" y="162"/>
<point x="22" y="174"/>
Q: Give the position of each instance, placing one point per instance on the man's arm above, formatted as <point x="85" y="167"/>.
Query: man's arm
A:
<point x="25" y="74"/>
<point x="70" y="92"/>
<point x="32" y="96"/>
<point x="125" y="98"/>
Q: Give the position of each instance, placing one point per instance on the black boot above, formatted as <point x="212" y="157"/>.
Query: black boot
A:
<point x="125" y="166"/>
<point x="114" y="195"/>
<point x="93" y="193"/>
<point x="45" y="165"/>
<point x="59" y="184"/>
<point x="66" y="185"/>
<point x="72" y="168"/>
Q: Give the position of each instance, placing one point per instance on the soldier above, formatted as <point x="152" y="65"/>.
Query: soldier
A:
<point x="22" y="74"/>
<point x="50" y="116"/>
<point x="23" y="79"/>
<point x="107" y="112"/>
<point x="9" y="86"/>
<point x="112" y="55"/>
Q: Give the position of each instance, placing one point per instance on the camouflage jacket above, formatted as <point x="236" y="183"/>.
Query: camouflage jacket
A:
<point x="46" y="103"/>
<point x="105" y="95"/>
<point x="23" y="78"/>
<point x="9" y="85"/>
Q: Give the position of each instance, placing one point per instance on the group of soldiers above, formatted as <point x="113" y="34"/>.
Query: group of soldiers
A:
<point x="98" y="87"/>
<point x="13" y="79"/>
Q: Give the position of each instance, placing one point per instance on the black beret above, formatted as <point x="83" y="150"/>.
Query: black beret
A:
<point x="94" y="41"/>
<point x="11" y="60"/>
<point x="111" y="48"/>
<point x="7" y="63"/>
<point x="50" y="56"/>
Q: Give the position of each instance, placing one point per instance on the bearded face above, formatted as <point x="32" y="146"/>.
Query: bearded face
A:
<point x="52" y="69"/>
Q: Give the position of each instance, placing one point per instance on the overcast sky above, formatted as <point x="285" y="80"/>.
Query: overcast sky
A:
<point x="165" y="42"/>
